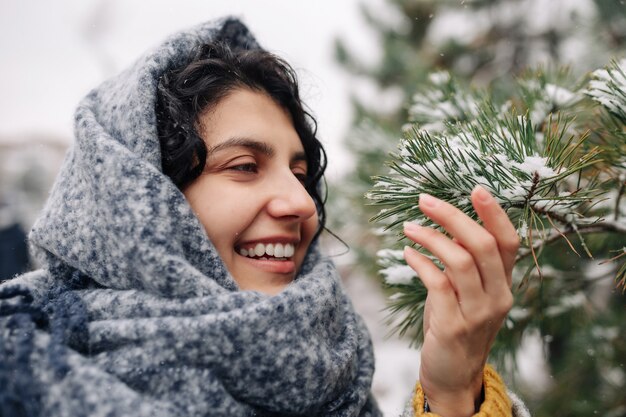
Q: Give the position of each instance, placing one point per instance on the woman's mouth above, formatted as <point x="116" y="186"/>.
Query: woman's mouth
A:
<point x="268" y="251"/>
<point x="274" y="258"/>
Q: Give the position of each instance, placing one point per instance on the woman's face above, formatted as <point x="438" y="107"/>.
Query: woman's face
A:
<point x="250" y="198"/>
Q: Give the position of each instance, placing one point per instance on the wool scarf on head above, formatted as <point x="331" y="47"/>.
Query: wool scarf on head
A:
<point x="134" y="312"/>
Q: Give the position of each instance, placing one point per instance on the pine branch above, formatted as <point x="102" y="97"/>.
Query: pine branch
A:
<point x="599" y="227"/>
<point x="539" y="164"/>
<point x="620" y="194"/>
<point x="608" y="88"/>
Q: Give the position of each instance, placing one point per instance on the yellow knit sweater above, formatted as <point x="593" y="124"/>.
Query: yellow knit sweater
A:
<point x="496" y="403"/>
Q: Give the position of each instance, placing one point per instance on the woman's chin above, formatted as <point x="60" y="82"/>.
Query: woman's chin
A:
<point x="268" y="277"/>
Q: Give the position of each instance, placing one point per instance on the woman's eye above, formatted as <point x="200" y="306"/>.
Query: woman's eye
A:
<point x="301" y="177"/>
<point x="249" y="167"/>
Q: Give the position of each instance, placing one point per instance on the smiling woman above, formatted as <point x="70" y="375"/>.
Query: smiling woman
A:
<point x="237" y="141"/>
<point x="251" y="197"/>
<point x="181" y="271"/>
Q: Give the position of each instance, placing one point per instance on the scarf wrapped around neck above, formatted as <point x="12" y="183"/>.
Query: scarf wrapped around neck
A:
<point x="135" y="314"/>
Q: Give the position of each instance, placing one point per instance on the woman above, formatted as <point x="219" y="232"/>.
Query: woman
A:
<point x="181" y="275"/>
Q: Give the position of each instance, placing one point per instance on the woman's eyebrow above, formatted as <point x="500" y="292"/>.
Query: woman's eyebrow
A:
<point x="253" y="144"/>
<point x="298" y="157"/>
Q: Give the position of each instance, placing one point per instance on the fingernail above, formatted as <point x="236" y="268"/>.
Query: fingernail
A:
<point x="428" y="200"/>
<point x="411" y="227"/>
<point x="482" y="194"/>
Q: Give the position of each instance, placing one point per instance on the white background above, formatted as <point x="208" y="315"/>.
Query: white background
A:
<point x="53" y="52"/>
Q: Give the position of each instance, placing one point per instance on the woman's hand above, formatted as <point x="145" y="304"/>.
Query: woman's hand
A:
<point x="467" y="302"/>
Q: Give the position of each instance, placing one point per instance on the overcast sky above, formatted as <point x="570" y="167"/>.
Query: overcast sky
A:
<point x="53" y="52"/>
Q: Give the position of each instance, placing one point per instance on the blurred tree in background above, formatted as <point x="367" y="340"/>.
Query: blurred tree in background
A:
<point x="490" y="44"/>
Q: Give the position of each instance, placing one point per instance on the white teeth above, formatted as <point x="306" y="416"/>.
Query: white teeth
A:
<point x="279" y="250"/>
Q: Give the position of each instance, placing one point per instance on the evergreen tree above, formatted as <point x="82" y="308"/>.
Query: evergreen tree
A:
<point x="550" y="147"/>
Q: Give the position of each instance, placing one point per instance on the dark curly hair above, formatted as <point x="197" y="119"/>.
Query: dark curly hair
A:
<point x="215" y="71"/>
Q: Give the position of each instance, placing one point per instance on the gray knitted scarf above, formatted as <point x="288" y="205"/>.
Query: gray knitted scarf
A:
<point x="134" y="313"/>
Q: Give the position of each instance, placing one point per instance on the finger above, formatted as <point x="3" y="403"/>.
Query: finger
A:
<point x="427" y="308"/>
<point x="444" y="303"/>
<point x="478" y="241"/>
<point x="497" y="222"/>
<point x="463" y="274"/>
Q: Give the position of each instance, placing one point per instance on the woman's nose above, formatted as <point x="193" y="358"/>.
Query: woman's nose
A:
<point x="290" y="199"/>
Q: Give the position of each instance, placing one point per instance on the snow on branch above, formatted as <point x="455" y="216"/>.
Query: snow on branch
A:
<point x="608" y="87"/>
<point x="554" y="173"/>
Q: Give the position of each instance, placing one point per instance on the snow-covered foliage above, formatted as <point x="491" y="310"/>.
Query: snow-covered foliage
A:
<point x="442" y="101"/>
<point x="530" y="151"/>
<point x="490" y="44"/>
<point x="473" y="142"/>
<point x="398" y="274"/>
<point x="608" y="87"/>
